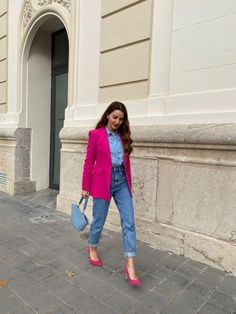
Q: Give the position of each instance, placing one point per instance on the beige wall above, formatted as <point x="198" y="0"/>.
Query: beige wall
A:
<point x="3" y="55"/>
<point x="203" y="57"/>
<point x="125" y="49"/>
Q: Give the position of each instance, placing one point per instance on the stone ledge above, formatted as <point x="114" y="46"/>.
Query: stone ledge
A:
<point x="8" y="133"/>
<point x="20" y="135"/>
<point x="203" y="134"/>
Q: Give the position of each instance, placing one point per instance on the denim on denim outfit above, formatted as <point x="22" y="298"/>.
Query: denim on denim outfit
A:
<point x="116" y="148"/>
<point x="123" y="200"/>
<point x="120" y="192"/>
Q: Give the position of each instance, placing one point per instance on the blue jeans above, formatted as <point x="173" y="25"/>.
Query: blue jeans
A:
<point x="121" y="194"/>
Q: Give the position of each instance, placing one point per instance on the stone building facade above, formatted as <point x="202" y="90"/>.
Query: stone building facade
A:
<point x="172" y="63"/>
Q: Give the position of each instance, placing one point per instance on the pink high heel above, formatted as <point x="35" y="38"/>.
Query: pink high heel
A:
<point x="97" y="263"/>
<point x="133" y="282"/>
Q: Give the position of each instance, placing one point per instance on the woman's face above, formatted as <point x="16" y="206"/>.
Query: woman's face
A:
<point x="115" y="119"/>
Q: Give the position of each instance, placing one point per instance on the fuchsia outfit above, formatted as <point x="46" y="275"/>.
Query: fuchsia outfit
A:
<point x="97" y="176"/>
<point x="104" y="180"/>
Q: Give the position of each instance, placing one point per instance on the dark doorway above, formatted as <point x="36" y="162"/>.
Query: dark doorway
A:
<point x="60" y="51"/>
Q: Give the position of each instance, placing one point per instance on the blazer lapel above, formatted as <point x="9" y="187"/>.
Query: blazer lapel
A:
<point x="106" y="143"/>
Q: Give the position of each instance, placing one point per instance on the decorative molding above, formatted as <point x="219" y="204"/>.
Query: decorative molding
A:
<point x="65" y="3"/>
<point x="28" y="12"/>
<point x="195" y="134"/>
<point x="41" y="2"/>
<point x="32" y="6"/>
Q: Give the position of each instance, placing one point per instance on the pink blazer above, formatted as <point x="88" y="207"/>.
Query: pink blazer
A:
<point x="97" y="166"/>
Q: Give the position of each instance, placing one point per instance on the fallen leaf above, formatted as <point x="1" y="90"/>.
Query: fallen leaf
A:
<point x="70" y="273"/>
<point x="3" y="283"/>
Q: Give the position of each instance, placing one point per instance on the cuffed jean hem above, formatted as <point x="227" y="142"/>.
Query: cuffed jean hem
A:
<point x="129" y="254"/>
<point x="93" y="245"/>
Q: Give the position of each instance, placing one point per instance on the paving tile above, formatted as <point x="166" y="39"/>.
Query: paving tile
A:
<point x="188" y="270"/>
<point x="44" y="302"/>
<point x="23" y="310"/>
<point x="41" y="272"/>
<point x="114" y="262"/>
<point x="119" y="302"/>
<point x="102" y="291"/>
<point x="110" y="277"/>
<point x="78" y="274"/>
<point x="168" y="290"/>
<point x="215" y="271"/>
<point x="138" y="308"/>
<point x="83" y="303"/>
<point x="32" y="295"/>
<point x="162" y="271"/>
<point x="199" y="288"/>
<point x="21" y="283"/>
<point x="210" y="277"/>
<point x="180" y="280"/>
<point x="189" y="301"/>
<point x="86" y="282"/>
<point x="154" y="301"/>
<point x="38" y="244"/>
<point x="4" y="293"/>
<point x="79" y="259"/>
<point x="10" y="304"/>
<point x="115" y="247"/>
<point x="195" y="264"/>
<point x="172" y="262"/>
<point x="223" y="301"/>
<point x="42" y="254"/>
<point x="177" y="309"/>
<point x="211" y="309"/>
<point x="17" y="257"/>
<point x="228" y="286"/>
<point x="149" y="257"/>
<point x="72" y="241"/>
<point x="62" y="309"/>
<point x="102" y="309"/>
<point x="64" y="291"/>
<point x="29" y="266"/>
<point x="53" y="282"/>
<point x="8" y="271"/>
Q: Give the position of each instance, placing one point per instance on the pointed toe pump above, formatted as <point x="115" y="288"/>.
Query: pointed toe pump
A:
<point x="97" y="263"/>
<point x="133" y="282"/>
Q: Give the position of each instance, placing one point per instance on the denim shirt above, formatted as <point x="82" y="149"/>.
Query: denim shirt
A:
<point x="116" y="148"/>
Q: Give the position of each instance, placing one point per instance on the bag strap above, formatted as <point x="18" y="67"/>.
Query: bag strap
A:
<point x="85" y="203"/>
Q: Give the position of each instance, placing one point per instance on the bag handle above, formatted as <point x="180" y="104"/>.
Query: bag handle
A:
<point x="85" y="203"/>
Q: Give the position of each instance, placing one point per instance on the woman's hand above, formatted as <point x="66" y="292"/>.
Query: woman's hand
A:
<point x="85" y="194"/>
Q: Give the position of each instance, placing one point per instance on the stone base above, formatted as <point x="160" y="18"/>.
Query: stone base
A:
<point x="205" y="249"/>
<point x="64" y="204"/>
<point x="15" y="161"/>
<point x="23" y="187"/>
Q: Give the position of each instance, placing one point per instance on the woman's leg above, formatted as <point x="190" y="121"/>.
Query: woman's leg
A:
<point x="124" y="203"/>
<point x="100" y="210"/>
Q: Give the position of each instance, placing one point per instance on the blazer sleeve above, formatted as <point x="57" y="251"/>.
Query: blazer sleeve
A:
<point x="89" y="162"/>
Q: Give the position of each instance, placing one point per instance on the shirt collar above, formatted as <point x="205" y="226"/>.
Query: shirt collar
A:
<point x="109" y="133"/>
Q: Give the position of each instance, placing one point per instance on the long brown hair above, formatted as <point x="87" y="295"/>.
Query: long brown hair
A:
<point x="124" y="128"/>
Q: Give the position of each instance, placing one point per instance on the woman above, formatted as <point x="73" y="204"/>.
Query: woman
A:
<point x="107" y="174"/>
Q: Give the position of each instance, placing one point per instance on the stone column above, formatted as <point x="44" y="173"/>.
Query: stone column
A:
<point x="160" y="56"/>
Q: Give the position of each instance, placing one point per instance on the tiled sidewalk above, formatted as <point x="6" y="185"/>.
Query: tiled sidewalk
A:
<point x="39" y="251"/>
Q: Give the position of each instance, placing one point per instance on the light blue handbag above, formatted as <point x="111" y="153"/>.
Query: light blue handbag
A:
<point x="78" y="218"/>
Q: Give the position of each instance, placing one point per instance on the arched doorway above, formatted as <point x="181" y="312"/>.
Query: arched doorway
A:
<point x="46" y="100"/>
